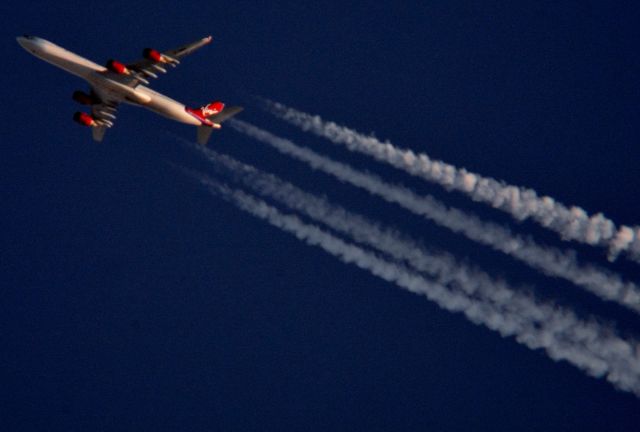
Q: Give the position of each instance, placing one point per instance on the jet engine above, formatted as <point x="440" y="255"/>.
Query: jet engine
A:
<point x="84" y="119"/>
<point x="117" y="67"/>
<point x="153" y="55"/>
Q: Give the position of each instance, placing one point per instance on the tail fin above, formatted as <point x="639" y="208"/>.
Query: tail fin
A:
<point x="211" y="109"/>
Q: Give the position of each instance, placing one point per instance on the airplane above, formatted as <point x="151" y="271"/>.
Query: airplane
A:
<point x="117" y="83"/>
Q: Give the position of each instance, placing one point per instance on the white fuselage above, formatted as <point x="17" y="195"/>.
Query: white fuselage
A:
<point x="101" y="81"/>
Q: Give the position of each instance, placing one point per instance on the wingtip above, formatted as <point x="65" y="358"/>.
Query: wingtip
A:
<point x="208" y="39"/>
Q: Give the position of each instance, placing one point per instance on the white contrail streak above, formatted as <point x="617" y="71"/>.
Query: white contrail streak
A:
<point x="572" y="223"/>
<point x="550" y="261"/>
<point x="591" y="347"/>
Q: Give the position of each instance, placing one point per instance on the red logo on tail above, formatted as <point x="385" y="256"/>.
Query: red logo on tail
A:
<point x="212" y="109"/>
<point x="206" y="111"/>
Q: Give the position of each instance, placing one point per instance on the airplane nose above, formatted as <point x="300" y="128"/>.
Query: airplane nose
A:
<point x="25" y="41"/>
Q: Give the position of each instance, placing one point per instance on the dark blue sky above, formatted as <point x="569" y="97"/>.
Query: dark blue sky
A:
<point x="134" y="299"/>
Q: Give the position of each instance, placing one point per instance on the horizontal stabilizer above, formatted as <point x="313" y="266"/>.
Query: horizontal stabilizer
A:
<point x="226" y="114"/>
<point x="204" y="132"/>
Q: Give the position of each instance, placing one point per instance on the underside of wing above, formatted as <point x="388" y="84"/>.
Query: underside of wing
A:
<point x="185" y="50"/>
<point x="103" y="111"/>
<point x="155" y="62"/>
<point x="104" y="115"/>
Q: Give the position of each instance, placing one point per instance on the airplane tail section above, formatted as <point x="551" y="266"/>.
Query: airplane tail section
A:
<point x="204" y="112"/>
<point x="211" y="109"/>
<point x="225" y="114"/>
<point x="204" y="131"/>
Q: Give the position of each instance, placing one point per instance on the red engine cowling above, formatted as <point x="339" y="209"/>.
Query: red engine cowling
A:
<point x="83" y="98"/>
<point x="117" y="67"/>
<point x="84" y="119"/>
<point x="153" y="55"/>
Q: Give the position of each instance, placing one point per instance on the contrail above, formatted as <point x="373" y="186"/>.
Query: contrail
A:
<point x="591" y="347"/>
<point x="550" y="261"/>
<point x="572" y="223"/>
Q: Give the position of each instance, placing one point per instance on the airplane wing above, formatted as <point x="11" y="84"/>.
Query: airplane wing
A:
<point x="104" y="115"/>
<point x="155" y="62"/>
<point x="152" y="63"/>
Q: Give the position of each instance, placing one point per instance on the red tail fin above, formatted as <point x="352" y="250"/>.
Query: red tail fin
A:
<point x="203" y="113"/>
<point x="211" y="109"/>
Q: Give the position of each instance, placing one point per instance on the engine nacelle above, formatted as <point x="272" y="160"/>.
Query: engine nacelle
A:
<point x="83" y="98"/>
<point x="84" y="119"/>
<point x="153" y="55"/>
<point x="117" y="67"/>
